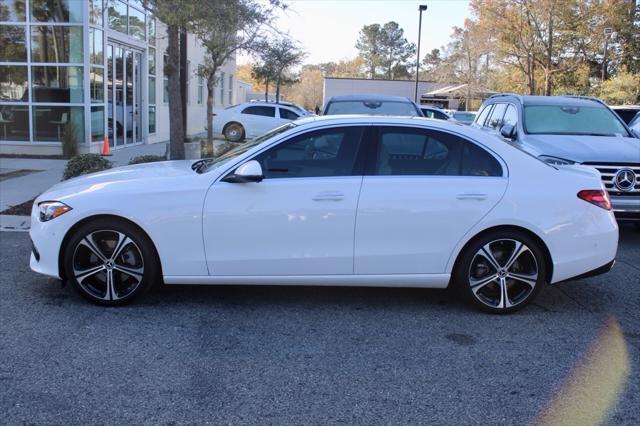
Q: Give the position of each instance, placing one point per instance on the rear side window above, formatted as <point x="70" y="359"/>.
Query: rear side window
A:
<point x="266" y="111"/>
<point x="423" y="152"/>
<point x="483" y="115"/>
<point x="288" y="114"/>
<point x="495" y="121"/>
<point x="319" y="153"/>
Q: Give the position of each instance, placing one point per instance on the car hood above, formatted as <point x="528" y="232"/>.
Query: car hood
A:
<point x="586" y="148"/>
<point x="126" y="174"/>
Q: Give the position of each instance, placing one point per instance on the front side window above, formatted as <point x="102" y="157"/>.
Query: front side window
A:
<point x="572" y="120"/>
<point x="288" y="114"/>
<point x="495" y="121"/>
<point x="319" y="153"/>
<point x="422" y="152"/>
<point x="266" y="111"/>
<point x="510" y="116"/>
<point x="480" y="119"/>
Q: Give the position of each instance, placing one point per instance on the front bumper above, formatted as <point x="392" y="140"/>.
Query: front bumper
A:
<point x="626" y="207"/>
<point x="46" y="240"/>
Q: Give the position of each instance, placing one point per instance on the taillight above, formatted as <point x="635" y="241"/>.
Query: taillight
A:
<point x="597" y="197"/>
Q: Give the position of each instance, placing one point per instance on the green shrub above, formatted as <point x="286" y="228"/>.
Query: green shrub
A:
<point x="84" y="164"/>
<point x="146" y="159"/>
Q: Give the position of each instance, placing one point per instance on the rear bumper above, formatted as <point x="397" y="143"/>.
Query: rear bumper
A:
<point x="598" y="271"/>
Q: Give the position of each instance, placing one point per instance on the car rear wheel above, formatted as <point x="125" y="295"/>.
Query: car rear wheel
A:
<point x="502" y="271"/>
<point x="110" y="262"/>
<point x="234" y="132"/>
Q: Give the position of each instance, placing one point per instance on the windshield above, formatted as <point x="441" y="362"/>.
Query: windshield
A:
<point x="371" y="108"/>
<point x="465" y="117"/>
<point x="208" y="164"/>
<point x="572" y="120"/>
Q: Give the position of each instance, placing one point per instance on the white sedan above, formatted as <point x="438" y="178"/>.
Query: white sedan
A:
<point x="252" y="119"/>
<point x="353" y="201"/>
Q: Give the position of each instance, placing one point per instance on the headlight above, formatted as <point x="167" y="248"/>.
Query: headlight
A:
<point x="556" y="161"/>
<point x="52" y="209"/>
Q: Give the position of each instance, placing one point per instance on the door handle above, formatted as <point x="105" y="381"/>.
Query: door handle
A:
<point x="328" y="196"/>
<point x="470" y="196"/>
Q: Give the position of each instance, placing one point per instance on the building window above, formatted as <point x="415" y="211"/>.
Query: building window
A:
<point x="57" y="10"/>
<point x="200" y="86"/>
<point x="118" y="16"/>
<point x="151" y="30"/>
<point x="14" y="122"/>
<point x="56" y="44"/>
<point x="97" y="123"/>
<point x="59" y="84"/>
<point x="96" y="85"/>
<point x="137" y="24"/>
<point x="151" y="61"/>
<point x="54" y="123"/>
<point x="13" y="82"/>
<point x="222" y="77"/>
<point x="230" y="90"/>
<point x="95" y="12"/>
<point x="165" y="81"/>
<point x="13" y="47"/>
<point x="96" y="46"/>
<point x="12" y="10"/>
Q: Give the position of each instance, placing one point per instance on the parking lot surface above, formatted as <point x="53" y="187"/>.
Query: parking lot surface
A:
<point x="301" y="354"/>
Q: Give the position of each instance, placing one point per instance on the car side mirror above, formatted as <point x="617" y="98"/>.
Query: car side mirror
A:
<point x="251" y="171"/>
<point x="508" y="131"/>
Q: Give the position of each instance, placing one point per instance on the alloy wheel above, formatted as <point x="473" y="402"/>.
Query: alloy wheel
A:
<point x="108" y="265"/>
<point x="503" y="273"/>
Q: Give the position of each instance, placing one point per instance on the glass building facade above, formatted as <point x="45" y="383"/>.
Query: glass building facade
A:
<point x="76" y="70"/>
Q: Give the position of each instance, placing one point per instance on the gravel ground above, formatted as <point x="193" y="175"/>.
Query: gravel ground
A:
<point x="273" y="355"/>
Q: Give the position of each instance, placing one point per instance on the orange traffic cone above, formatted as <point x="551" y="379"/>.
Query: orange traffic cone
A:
<point x="106" y="151"/>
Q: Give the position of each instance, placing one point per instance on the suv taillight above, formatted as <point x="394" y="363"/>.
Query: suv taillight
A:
<point x="598" y="197"/>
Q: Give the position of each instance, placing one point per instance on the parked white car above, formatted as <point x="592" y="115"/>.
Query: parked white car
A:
<point x="335" y="200"/>
<point x="252" y="119"/>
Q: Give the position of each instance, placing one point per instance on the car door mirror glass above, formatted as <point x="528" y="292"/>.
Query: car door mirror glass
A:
<point x="251" y="171"/>
<point x="508" y="131"/>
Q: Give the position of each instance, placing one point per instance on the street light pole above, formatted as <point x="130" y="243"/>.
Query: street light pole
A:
<point x="421" y="8"/>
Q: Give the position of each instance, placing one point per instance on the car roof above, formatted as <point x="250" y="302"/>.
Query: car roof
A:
<point x="546" y="100"/>
<point x="378" y="119"/>
<point x="369" y="97"/>
<point x="267" y="103"/>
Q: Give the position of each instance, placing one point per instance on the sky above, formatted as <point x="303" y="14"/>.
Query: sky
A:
<point x="328" y="29"/>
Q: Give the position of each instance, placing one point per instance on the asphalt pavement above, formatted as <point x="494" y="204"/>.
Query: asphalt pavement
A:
<point x="302" y="355"/>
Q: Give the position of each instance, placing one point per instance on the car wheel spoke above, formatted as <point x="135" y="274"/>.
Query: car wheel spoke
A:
<point x="135" y="273"/>
<point x="90" y="244"/>
<point x="530" y="279"/>
<point x="518" y="251"/>
<point x="487" y="254"/>
<point x="83" y="274"/>
<point x="505" y="302"/>
<point x="123" y="241"/>
<point x="477" y="284"/>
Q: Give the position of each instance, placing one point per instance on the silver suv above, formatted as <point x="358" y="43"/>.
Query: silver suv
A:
<point x="571" y="130"/>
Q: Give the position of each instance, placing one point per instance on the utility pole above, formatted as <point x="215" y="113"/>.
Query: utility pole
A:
<point x="421" y="9"/>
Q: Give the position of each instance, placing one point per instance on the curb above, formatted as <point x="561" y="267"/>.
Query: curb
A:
<point x="15" y="223"/>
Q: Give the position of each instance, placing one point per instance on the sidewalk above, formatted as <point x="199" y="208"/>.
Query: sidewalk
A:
<point x="22" y="179"/>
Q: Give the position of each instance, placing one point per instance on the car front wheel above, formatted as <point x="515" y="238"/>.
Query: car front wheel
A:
<point x="110" y="262"/>
<point x="502" y="271"/>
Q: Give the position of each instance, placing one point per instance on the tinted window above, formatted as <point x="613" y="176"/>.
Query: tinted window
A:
<point x="431" y="113"/>
<point x="572" y="120"/>
<point x="408" y="151"/>
<point x="510" y="116"/>
<point x="288" y="114"/>
<point x="495" y="121"/>
<point x="330" y="152"/>
<point x="266" y="111"/>
<point x="483" y="115"/>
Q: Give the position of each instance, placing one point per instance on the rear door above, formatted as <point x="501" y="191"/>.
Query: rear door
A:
<point x="258" y="119"/>
<point x="422" y="191"/>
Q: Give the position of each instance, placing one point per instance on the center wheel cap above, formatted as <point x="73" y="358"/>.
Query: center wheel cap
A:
<point x="109" y="265"/>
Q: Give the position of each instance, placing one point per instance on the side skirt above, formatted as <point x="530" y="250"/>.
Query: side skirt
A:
<point x="395" y="280"/>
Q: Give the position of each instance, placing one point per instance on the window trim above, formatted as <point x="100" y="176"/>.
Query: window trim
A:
<point x="372" y="148"/>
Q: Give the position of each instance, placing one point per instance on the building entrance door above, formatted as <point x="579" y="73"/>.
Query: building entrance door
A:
<point x="124" y="87"/>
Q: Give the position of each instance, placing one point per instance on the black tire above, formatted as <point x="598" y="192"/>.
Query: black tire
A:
<point x="133" y="269"/>
<point x="234" y="132"/>
<point x="474" y="270"/>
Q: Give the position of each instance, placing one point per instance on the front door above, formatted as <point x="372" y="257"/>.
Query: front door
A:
<point x="124" y="87"/>
<point x="423" y="192"/>
<point x="299" y="220"/>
